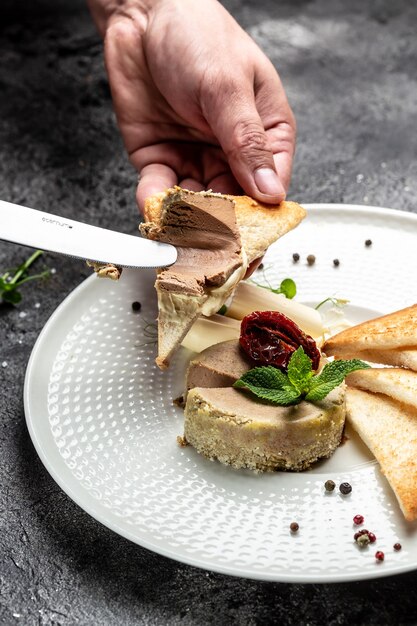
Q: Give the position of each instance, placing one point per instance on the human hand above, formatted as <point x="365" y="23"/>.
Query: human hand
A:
<point x="197" y="102"/>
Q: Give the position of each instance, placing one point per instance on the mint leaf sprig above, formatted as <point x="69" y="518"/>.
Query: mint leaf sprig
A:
<point x="299" y="383"/>
<point x="13" y="279"/>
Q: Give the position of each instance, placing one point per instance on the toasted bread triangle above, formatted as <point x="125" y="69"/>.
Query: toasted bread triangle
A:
<point x="399" y="357"/>
<point x="177" y="313"/>
<point x="389" y="429"/>
<point x="400" y="384"/>
<point x="258" y="224"/>
<point x="388" y="332"/>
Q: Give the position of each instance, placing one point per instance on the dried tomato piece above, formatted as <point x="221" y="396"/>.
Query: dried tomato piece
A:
<point x="270" y="338"/>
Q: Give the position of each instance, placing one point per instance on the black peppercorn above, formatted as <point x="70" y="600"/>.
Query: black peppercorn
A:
<point x="136" y="306"/>
<point x="329" y="485"/>
<point x="294" y="527"/>
<point x="345" y="488"/>
<point x="295" y="257"/>
<point x="368" y="243"/>
<point x="336" y="262"/>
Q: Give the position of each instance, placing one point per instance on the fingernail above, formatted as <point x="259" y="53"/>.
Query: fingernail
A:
<point x="268" y="182"/>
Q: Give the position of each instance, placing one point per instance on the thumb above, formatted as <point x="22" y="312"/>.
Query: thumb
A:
<point x="241" y="134"/>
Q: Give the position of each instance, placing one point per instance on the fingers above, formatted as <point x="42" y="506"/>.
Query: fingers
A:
<point x="192" y="166"/>
<point x="256" y="129"/>
<point x="241" y="133"/>
<point x="283" y="165"/>
<point x="253" y="267"/>
<point x="157" y="177"/>
<point x="154" y="178"/>
<point x="225" y="183"/>
<point x="191" y="184"/>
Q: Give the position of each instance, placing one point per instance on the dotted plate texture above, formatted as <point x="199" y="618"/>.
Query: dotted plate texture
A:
<point x="101" y="417"/>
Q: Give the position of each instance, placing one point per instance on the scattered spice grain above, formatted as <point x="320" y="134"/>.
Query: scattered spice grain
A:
<point x="363" y="541"/>
<point x="345" y="488"/>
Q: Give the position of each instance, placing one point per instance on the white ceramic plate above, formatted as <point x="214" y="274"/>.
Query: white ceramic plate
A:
<point x="101" y="417"/>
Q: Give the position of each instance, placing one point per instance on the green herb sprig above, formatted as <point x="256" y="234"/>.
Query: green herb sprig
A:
<point x="339" y="302"/>
<point x="299" y="383"/>
<point x="13" y="279"/>
<point x="287" y="287"/>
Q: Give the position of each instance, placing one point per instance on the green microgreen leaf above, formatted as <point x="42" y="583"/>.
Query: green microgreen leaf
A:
<point x="331" y="376"/>
<point x="11" y="280"/>
<point x="287" y="286"/>
<point x="12" y="297"/>
<point x="222" y="310"/>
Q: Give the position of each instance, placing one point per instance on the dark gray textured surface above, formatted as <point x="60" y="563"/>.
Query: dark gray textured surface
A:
<point x="349" y="70"/>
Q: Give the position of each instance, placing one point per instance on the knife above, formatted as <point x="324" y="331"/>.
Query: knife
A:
<point x="53" y="233"/>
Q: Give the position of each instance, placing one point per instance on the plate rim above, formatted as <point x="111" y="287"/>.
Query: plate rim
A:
<point x="99" y="514"/>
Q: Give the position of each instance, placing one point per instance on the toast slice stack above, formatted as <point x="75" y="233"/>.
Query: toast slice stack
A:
<point x="381" y="405"/>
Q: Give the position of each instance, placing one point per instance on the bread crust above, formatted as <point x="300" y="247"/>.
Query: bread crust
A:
<point x="257" y="226"/>
<point x="388" y="332"/>
<point x="396" y="382"/>
<point x="389" y="429"/>
<point x="262" y="224"/>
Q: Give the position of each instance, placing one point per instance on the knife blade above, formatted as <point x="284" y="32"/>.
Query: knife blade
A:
<point x="53" y="233"/>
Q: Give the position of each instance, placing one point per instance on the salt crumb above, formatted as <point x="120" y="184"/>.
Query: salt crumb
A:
<point x="4" y="364"/>
<point x="359" y="178"/>
<point x="406" y="188"/>
<point x="383" y="165"/>
<point x="365" y="198"/>
<point x="16" y="614"/>
<point x="53" y="270"/>
<point x="37" y="305"/>
<point x="22" y="314"/>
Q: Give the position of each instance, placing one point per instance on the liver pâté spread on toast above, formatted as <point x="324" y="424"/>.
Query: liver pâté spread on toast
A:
<point x="217" y="237"/>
